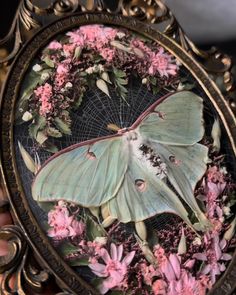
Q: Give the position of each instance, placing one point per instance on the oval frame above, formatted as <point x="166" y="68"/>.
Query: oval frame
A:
<point x="67" y="278"/>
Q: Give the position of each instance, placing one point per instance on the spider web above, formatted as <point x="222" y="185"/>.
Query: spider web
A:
<point x="90" y="121"/>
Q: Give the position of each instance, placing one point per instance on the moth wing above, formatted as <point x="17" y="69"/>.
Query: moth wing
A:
<point x="88" y="175"/>
<point x="134" y="203"/>
<point x="186" y="165"/>
<point x="175" y="121"/>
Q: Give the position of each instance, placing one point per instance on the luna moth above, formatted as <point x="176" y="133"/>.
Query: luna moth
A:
<point x="114" y="171"/>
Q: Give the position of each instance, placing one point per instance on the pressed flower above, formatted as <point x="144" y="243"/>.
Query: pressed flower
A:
<point x="114" y="269"/>
<point x="186" y="285"/>
<point x="44" y="94"/>
<point x="37" y="68"/>
<point x="162" y="63"/>
<point x="55" y="45"/>
<point x="212" y="256"/>
<point x="63" y="225"/>
<point x="215" y="175"/>
<point x="148" y="273"/>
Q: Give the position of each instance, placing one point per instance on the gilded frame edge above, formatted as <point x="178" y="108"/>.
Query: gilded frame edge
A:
<point x="64" y="274"/>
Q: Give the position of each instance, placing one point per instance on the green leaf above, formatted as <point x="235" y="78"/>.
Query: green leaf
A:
<point x="102" y="85"/>
<point x="79" y="101"/>
<point x="41" y="137"/>
<point x="67" y="248"/>
<point x="153" y="80"/>
<point x="122" y="81"/>
<point x="48" y="61"/>
<point x="96" y="282"/>
<point x="93" y="229"/>
<point x="29" y="84"/>
<point x="38" y="124"/>
<point x="62" y="126"/>
<point x="119" y="73"/>
<point x="29" y="162"/>
<point x="48" y="146"/>
<point x="79" y="262"/>
<point x="51" y="131"/>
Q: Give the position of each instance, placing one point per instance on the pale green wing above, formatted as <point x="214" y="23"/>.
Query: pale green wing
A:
<point x="88" y="175"/>
<point x="134" y="203"/>
<point x="175" y="121"/>
<point x="186" y="165"/>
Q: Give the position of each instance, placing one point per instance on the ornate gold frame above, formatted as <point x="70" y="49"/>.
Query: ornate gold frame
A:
<point x="33" y="274"/>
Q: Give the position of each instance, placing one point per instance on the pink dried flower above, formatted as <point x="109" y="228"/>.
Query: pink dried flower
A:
<point x="107" y="53"/>
<point x="186" y="285"/>
<point x="62" y="69"/>
<point x="54" y="45"/>
<point x="69" y="49"/>
<point x="213" y="255"/>
<point x="214" y="175"/>
<point x="63" y="225"/>
<point x="137" y="43"/>
<point x="170" y="267"/>
<point x="44" y="94"/>
<point x="162" y="63"/>
<point x="76" y="38"/>
<point x="114" y="269"/>
<point x="148" y="273"/>
<point x="159" y="287"/>
<point x="93" y="36"/>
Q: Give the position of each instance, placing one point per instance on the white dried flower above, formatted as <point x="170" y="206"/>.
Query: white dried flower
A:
<point x="101" y="240"/>
<point x="224" y="197"/>
<point x="120" y="35"/>
<point x="68" y="85"/>
<point x="223" y="170"/>
<point x="89" y="70"/>
<point x="226" y="210"/>
<point x="100" y="68"/>
<point x="144" y="81"/>
<point x="27" y="116"/>
<point x="37" y="68"/>
<point x="180" y="86"/>
<point x="197" y="241"/>
<point x="45" y="76"/>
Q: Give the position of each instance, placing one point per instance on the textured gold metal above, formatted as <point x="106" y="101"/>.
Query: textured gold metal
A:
<point x="132" y="14"/>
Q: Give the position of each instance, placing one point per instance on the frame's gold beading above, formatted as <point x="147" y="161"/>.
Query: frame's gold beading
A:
<point x="151" y="11"/>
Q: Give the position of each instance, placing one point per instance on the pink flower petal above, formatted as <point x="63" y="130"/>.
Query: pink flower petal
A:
<point x="168" y="271"/>
<point x="113" y="251"/>
<point x="222" y="267"/>
<point x="223" y="244"/>
<point x="200" y="256"/>
<point x="128" y="258"/>
<point x="189" y="263"/>
<point x="105" y="255"/>
<point x="175" y="264"/>
<point x="226" y="257"/>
